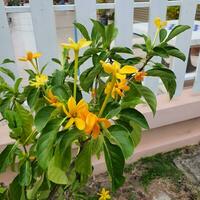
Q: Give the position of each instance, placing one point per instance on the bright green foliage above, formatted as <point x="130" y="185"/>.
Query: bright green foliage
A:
<point x="57" y="133"/>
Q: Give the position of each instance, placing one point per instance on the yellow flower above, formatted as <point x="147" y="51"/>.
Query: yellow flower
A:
<point x="75" y="113"/>
<point x="53" y="100"/>
<point x="76" y="45"/>
<point x="159" y="23"/>
<point x="30" y="56"/>
<point x="118" y="88"/>
<point x="139" y="76"/>
<point x="104" y="194"/>
<point x="115" y="70"/>
<point x="40" y="80"/>
<point x="92" y="124"/>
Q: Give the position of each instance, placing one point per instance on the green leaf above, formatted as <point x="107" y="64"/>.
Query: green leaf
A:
<point x="7" y="156"/>
<point x="15" y="190"/>
<point x="136" y="133"/>
<point x="176" y="31"/>
<point x="57" y="61"/>
<point x="123" y="138"/>
<point x="148" y="95"/>
<point x="83" y="162"/>
<point x="135" y="116"/>
<point x="7" y="60"/>
<point x="32" y="193"/>
<point x="111" y="33"/>
<point x="131" y="103"/>
<point x="55" y="174"/>
<point x="25" y="175"/>
<point x="173" y="51"/>
<point x="121" y="50"/>
<point x="63" y="148"/>
<point x="168" y="78"/>
<point x="111" y="110"/>
<point x="83" y="30"/>
<point x="63" y="92"/>
<point x="16" y="85"/>
<point x="162" y="34"/>
<point x="46" y="141"/>
<point x="159" y="51"/>
<point x="148" y="43"/>
<point x="8" y="72"/>
<point x="43" y="116"/>
<point x="32" y="97"/>
<point x="100" y="28"/>
<point x="115" y="163"/>
<point x="91" y="51"/>
<point x="26" y="119"/>
<point x="58" y="77"/>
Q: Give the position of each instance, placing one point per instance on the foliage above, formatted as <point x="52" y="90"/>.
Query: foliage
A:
<point x="57" y="132"/>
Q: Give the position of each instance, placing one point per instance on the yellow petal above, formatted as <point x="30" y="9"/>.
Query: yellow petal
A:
<point x="108" y="88"/>
<point x="128" y="70"/>
<point x="83" y="43"/>
<point x="108" y="68"/>
<point x="65" y="111"/>
<point x="69" y="123"/>
<point x="116" y="66"/>
<point x="37" y="55"/>
<point x="90" y="122"/>
<point x="23" y="59"/>
<point x="120" y="76"/>
<point x="80" y="124"/>
<point x="71" y="104"/>
<point x="82" y="105"/>
<point x="68" y="46"/>
<point x="157" y="22"/>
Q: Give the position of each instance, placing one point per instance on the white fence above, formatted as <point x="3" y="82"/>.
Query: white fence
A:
<point x="44" y="28"/>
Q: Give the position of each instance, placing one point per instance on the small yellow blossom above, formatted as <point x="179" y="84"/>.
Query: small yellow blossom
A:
<point x="104" y="194"/>
<point x="30" y="56"/>
<point x="52" y="99"/>
<point x="40" y="80"/>
<point x="92" y="124"/>
<point x="118" y="88"/>
<point x="116" y="70"/>
<point x="76" y="113"/>
<point x="139" y="76"/>
<point x="159" y="23"/>
<point x="76" y="45"/>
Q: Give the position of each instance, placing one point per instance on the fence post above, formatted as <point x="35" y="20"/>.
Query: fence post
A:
<point x="187" y="17"/>
<point x="124" y="22"/>
<point x="157" y="9"/>
<point x="45" y="30"/>
<point x="6" y="45"/>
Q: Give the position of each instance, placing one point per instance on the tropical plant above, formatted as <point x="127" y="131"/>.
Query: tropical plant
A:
<point x="57" y="129"/>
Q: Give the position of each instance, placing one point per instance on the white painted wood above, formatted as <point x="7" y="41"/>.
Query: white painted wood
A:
<point x="85" y="10"/>
<point x="196" y="87"/>
<point x="187" y="16"/>
<point x="43" y="20"/>
<point x="154" y="12"/>
<point x="124" y="22"/>
<point x="6" y="46"/>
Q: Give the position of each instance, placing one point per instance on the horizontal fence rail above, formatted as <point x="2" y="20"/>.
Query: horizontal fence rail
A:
<point x="44" y="28"/>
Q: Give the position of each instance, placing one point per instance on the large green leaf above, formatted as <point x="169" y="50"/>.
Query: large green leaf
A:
<point x="63" y="148"/>
<point x="176" y="31"/>
<point x="111" y="110"/>
<point x="168" y="78"/>
<point x="135" y="116"/>
<point x="100" y="28"/>
<point x="115" y="163"/>
<point x="63" y="92"/>
<point x="111" y="33"/>
<point x="46" y="141"/>
<point x="25" y="175"/>
<point x="123" y="138"/>
<point x="26" y="119"/>
<point x="162" y="34"/>
<point x="55" y="174"/>
<point x="173" y="51"/>
<point x="43" y="116"/>
<point x="83" y="162"/>
<point x="83" y="30"/>
<point x="136" y="133"/>
<point x="148" y="95"/>
<point x="15" y="190"/>
<point x="121" y="50"/>
<point x="8" y="72"/>
<point x="32" y="97"/>
<point x="7" y="156"/>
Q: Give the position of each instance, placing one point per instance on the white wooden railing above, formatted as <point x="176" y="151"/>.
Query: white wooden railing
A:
<point x="44" y="28"/>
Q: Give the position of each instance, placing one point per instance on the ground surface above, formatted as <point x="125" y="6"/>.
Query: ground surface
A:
<point x="157" y="178"/>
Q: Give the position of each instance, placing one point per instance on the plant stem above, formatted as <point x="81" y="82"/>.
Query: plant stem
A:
<point x="75" y="72"/>
<point x="107" y="96"/>
<point x="35" y="67"/>
<point x="53" y="192"/>
<point x="156" y="35"/>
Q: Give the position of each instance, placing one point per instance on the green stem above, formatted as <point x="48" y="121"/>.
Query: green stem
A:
<point x="107" y="96"/>
<point x="34" y="66"/>
<point x="156" y="35"/>
<point x="75" y="72"/>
